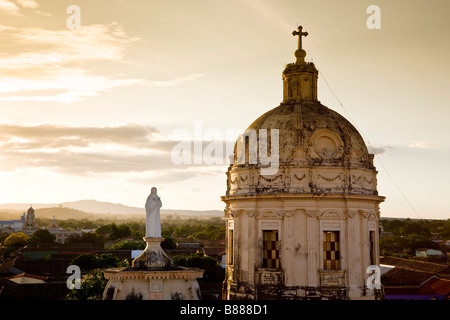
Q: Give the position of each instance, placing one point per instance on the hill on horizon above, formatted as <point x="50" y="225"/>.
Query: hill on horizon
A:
<point x="86" y="208"/>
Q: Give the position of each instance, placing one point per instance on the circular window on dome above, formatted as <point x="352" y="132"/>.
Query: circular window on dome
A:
<point x="326" y="143"/>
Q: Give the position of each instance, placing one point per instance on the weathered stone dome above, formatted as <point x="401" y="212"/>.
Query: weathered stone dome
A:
<point x="310" y="131"/>
<point x="301" y="146"/>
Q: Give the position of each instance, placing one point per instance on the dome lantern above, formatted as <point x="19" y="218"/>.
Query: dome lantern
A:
<point x="300" y="78"/>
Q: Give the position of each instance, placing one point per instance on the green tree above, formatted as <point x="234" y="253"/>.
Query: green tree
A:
<point x="418" y="241"/>
<point x="88" y="262"/>
<point x="118" y="232"/>
<point x="168" y="243"/>
<point x="214" y="273"/>
<point x="394" y="245"/>
<point x="128" y="245"/>
<point x="104" y="230"/>
<point x="85" y="261"/>
<point x="86" y="237"/>
<point x="108" y="260"/>
<point x="42" y="236"/>
<point x="92" y="287"/>
<point x="16" y="241"/>
<point x="12" y="243"/>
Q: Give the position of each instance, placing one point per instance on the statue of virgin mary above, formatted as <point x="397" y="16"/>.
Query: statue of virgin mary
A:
<point x="153" y="220"/>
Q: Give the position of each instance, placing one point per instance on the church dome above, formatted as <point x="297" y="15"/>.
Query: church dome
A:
<point x="310" y="130"/>
<point x="53" y="225"/>
<point x="301" y="146"/>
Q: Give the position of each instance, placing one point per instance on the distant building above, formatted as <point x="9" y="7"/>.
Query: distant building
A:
<point x="27" y="278"/>
<point x="26" y="224"/>
<point x="29" y="222"/>
<point x="426" y="252"/>
<point x="192" y="245"/>
<point x="11" y="226"/>
<point x="61" y="234"/>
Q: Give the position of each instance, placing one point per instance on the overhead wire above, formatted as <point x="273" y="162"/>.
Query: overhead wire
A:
<point x="373" y="148"/>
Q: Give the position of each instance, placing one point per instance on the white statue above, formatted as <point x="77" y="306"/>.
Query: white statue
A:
<point x="153" y="221"/>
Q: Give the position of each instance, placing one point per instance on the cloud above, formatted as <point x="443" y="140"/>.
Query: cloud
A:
<point x="63" y="86"/>
<point x="28" y="3"/>
<point x="88" y="163"/>
<point x="174" y="82"/>
<point x="44" y="47"/>
<point x="421" y="145"/>
<point x="59" y="65"/>
<point x="9" y="7"/>
<point x="379" y="149"/>
<point x="84" y="150"/>
<point x="29" y="138"/>
<point x="174" y="175"/>
<point x="56" y="65"/>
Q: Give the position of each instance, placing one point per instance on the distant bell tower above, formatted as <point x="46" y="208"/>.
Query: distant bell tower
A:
<point x="29" y="222"/>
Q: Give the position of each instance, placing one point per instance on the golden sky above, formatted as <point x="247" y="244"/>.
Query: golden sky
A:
<point x="94" y="112"/>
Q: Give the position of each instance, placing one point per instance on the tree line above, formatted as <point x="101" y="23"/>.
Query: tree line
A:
<point x="173" y="229"/>
<point x="402" y="237"/>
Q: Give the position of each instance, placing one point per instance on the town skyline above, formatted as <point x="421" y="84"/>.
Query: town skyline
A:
<point x="95" y="112"/>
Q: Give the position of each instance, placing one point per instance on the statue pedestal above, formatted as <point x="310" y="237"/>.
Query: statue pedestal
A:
<point x="153" y="255"/>
<point x="175" y="283"/>
<point x="152" y="276"/>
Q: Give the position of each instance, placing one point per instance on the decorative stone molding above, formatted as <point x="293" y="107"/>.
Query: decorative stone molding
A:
<point x="234" y="213"/>
<point x="329" y="179"/>
<point x="269" y="277"/>
<point x="372" y="215"/>
<point x="332" y="278"/>
<point x="250" y="212"/>
<point x="288" y="212"/>
<point x="299" y="154"/>
<point x="369" y="214"/>
<point x="300" y="178"/>
<point x="156" y="286"/>
<point x="331" y="226"/>
<point x="295" y="177"/>
<point x="269" y="213"/>
<point x="350" y="214"/>
<point x="331" y="214"/>
<point x="312" y="213"/>
<point x="125" y="273"/>
<point x="277" y="178"/>
<point x="269" y="225"/>
<point x="326" y="144"/>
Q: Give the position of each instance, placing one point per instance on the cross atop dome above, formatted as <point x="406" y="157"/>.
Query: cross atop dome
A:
<point x="300" y="54"/>
<point x="300" y="34"/>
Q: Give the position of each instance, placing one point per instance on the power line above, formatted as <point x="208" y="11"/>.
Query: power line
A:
<point x="373" y="148"/>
